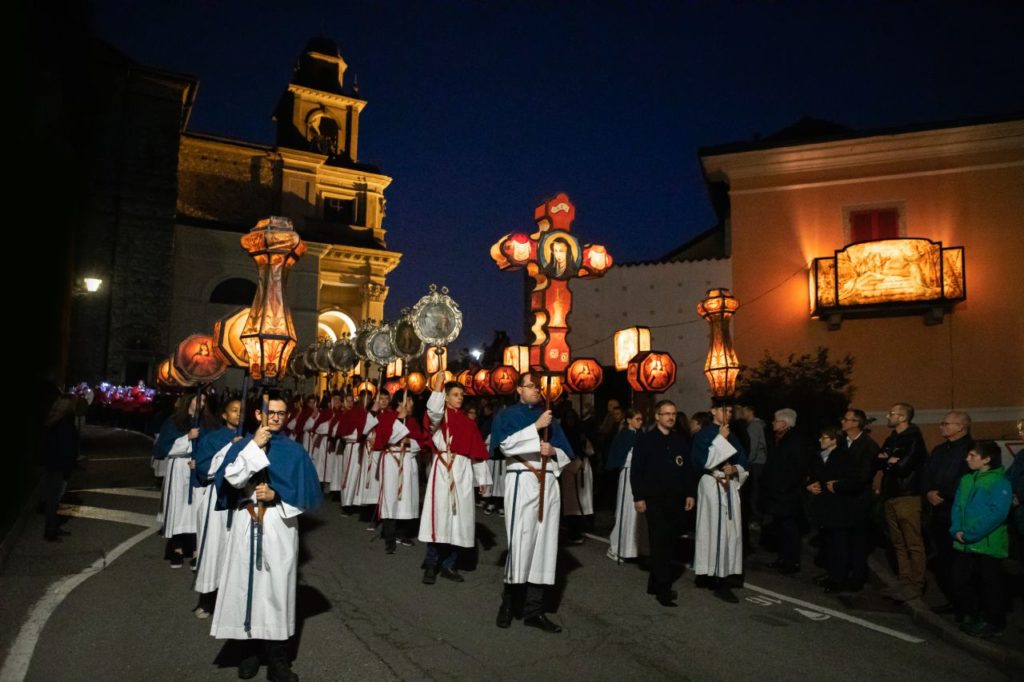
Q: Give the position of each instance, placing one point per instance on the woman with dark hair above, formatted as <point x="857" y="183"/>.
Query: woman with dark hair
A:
<point x="628" y="538"/>
<point x="981" y="541"/>
<point x="174" y="444"/>
<point x="60" y="450"/>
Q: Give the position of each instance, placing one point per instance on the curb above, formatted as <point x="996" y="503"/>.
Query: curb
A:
<point x="922" y="615"/>
<point x="7" y="544"/>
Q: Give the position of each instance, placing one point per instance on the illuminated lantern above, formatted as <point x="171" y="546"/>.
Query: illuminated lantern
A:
<point x="504" y="380"/>
<point x="722" y="366"/>
<point x="436" y="361"/>
<point x="393" y="386"/>
<point x="448" y="376"/>
<point x="465" y="377"/>
<point x="269" y="334"/>
<point x="198" y="359"/>
<point x="628" y="342"/>
<point x="517" y="357"/>
<point x="365" y="386"/>
<point x="396" y="368"/>
<point x="652" y="371"/>
<point x="550" y="386"/>
<point x="584" y="375"/>
<point x="482" y="382"/>
<point x="227" y="332"/>
<point x="596" y="259"/>
<point x="416" y="382"/>
<point x="166" y="374"/>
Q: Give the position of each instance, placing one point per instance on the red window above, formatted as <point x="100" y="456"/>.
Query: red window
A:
<point x="876" y="223"/>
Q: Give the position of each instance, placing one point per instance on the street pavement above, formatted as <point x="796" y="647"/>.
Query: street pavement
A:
<point x="103" y="604"/>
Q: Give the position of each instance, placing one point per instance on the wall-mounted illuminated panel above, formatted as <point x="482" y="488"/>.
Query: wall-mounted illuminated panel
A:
<point x="887" y="275"/>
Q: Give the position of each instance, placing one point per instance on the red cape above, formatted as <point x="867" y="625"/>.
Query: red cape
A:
<point x="465" y="436"/>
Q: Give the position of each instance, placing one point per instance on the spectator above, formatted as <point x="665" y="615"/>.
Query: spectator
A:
<point x="980" y="541"/>
<point x="782" y="485"/>
<point x="60" y="450"/>
<point x="900" y="461"/>
<point x="862" y="452"/>
<point x="698" y="421"/>
<point x="939" y="480"/>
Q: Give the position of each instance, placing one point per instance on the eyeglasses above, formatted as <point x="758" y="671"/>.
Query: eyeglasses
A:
<point x="280" y="415"/>
<point x="530" y="386"/>
<point x="667" y="414"/>
<point x="896" y="414"/>
<point x="949" y="424"/>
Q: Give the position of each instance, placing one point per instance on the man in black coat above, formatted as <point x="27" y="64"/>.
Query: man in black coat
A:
<point x="664" y="487"/>
<point x="782" y="488"/>
<point x="939" y="480"/>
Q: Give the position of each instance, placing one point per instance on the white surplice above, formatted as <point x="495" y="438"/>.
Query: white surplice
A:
<point x="629" y="536"/>
<point x="177" y="513"/>
<point x="211" y="530"/>
<point x="719" y="534"/>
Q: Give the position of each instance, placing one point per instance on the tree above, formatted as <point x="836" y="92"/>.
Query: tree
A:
<point x="818" y="388"/>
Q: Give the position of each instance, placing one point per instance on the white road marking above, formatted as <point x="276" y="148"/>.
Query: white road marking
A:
<point x="129" y="492"/>
<point x="20" y="656"/>
<point x="808" y="605"/>
<point x="102" y="514"/>
<point x="813" y="615"/>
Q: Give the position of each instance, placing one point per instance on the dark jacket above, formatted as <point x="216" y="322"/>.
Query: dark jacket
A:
<point x="851" y="469"/>
<point x="903" y="477"/>
<point x="781" y="490"/>
<point x="943" y="470"/>
<point x="60" y="446"/>
<point x="661" y="466"/>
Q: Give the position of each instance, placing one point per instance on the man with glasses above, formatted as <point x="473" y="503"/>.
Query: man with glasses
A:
<point x="900" y="461"/>
<point x="719" y="459"/>
<point x="267" y="480"/>
<point x="664" y="487"/>
<point x="940" y="477"/>
<point x="862" y="452"/>
<point x="536" y="450"/>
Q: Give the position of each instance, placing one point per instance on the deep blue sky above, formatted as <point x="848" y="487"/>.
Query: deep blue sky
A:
<point x="480" y="110"/>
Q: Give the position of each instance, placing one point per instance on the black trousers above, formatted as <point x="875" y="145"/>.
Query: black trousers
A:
<point x="790" y="539"/>
<point x="988" y="600"/>
<point x="942" y="544"/>
<point x="664" y="525"/>
<point x="53" y="489"/>
<point x="847" y="554"/>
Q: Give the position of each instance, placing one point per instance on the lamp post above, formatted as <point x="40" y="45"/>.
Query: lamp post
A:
<point x="722" y="366"/>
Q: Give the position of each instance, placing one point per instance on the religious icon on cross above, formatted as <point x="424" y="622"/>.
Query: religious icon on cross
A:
<point x="552" y="256"/>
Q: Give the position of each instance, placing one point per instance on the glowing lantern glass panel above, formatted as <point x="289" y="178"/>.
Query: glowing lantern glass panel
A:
<point x="393" y="386"/>
<point x="550" y="386"/>
<point x="628" y="342"/>
<point x="367" y="386"/>
<point x="482" y="382"/>
<point x="722" y="366"/>
<point x="465" y="377"/>
<point x="651" y="372"/>
<point x="517" y="357"/>
<point x="396" y="368"/>
<point x="269" y="334"/>
<point x="416" y="381"/>
<point x="164" y="373"/>
<point x="436" y="362"/>
<point x="584" y="375"/>
<point x="198" y="359"/>
<point x="227" y="333"/>
<point x="448" y="376"/>
<point x="504" y="379"/>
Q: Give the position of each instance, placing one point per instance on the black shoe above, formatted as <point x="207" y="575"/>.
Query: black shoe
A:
<point x="406" y="542"/>
<point x="541" y="622"/>
<point x="51" y="537"/>
<point x="944" y="609"/>
<point x="281" y="671"/>
<point x="832" y="587"/>
<point x="822" y="579"/>
<point x="789" y="569"/>
<point x="451" y="574"/>
<point x="504" y="618"/>
<point x="177" y="560"/>
<point x="853" y="586"/>
<point x="389" y="548"/>
<point x="429" y="575"/>
<point x="726" y="595"/>
<point x="667" y="599"/>
<point x="248" y="667"/>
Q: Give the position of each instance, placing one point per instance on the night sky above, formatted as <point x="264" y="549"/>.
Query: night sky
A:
<point x="480" y="110"/>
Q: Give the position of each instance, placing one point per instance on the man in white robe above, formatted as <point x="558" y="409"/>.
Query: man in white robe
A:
<point x="354" y="428"/>
<point x="719" y="457"/>
<point x="274" y="482"/>
<point x="516" y="435"/>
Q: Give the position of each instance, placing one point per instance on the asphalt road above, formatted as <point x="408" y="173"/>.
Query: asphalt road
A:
<point x="102" y="604"/>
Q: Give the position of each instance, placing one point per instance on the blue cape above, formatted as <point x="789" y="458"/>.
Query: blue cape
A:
<point x="620" y="447"/>
<point x="169" y="433"/>
<point x="702" y="447"/>
<point x="290" y="474"/>
<point x="516" y="418"/>
<point x="208" y="445"/>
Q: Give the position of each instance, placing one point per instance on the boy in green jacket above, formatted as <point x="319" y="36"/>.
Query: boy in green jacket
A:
<point x="981" y="540"/>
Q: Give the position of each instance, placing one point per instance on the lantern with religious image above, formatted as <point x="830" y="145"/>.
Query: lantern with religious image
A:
<point x="416" y="382"/>
<point x="584" y="375"/>
<point x="227" y="332"/>
<point x="550" y="384"/>
<point x="482" y="382"/>
<point x="504" y="380"/>
<point x="652" y="371"/>
<point x="465" y="377"/>
<point x="722" y="366"/>
<point x="269" y="334"/>
<point x="168" y="376"/>
<point x="628" y="342"/>
<point x="436" y="358"/>
<point x="198" y="359"/>
<point x="393" y="386"/>
<point x="517" y="357"/>
<point x="367" y="386"/>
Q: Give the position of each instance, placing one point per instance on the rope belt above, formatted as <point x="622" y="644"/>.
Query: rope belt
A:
<point x="542" y="476"/>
